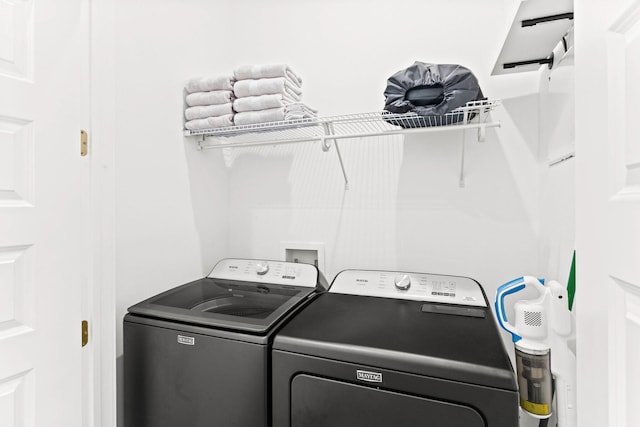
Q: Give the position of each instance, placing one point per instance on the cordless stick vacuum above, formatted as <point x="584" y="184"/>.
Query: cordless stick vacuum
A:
<point x="544" y="362"/>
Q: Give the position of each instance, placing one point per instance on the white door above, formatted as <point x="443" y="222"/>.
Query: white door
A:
<point x="623" y="245"/>
<point x="608" y="211"/>
<point x="44" y="247"/>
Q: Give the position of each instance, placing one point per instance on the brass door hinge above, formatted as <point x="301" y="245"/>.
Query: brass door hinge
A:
<point x="84" y="143"/>
<point x="85" y="332"/>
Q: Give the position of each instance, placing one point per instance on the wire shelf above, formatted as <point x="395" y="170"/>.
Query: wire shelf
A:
<point x="328" y="130"/>
<point x="474" y="114"/>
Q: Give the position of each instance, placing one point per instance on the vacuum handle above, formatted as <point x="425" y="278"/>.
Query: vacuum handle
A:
<point x="509" y="288"/>
<point x="560" y="316"/>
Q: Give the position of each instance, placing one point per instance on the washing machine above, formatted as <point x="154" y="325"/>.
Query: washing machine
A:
<point x="395" y="349"/>
<point x="199" y="354"/>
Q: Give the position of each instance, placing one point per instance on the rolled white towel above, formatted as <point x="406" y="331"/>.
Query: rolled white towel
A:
<point x="202" y="112"/>
<point x="209" y="98"/>
<point x="298" y="110"/>
<point x="207" y="84"/>
<point x="244" y="72"/>
<point x="255" y="87"/>
<point x="261" y="102"/>
<point x="210" y="122"/>
<point x="288" y="112"/>
<point x="263" y="116"/>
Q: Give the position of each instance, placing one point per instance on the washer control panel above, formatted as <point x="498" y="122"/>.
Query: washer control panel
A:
<point x="261" y="271"/>
<point x="411" y="286"/>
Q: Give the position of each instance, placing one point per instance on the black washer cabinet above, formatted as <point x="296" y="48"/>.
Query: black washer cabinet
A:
<point x="394" y="349"/>
<point x="198" y="355"/>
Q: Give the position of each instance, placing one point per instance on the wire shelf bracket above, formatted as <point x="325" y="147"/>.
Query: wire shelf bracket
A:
<point x="328" y="130"/>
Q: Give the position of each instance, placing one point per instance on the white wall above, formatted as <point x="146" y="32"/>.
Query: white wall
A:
<point x="404" y="209"/>
<point x="558" y="186"/>
<point x="179" y="210"/>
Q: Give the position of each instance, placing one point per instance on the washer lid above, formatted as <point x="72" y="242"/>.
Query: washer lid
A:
<point x="255" y="301"/>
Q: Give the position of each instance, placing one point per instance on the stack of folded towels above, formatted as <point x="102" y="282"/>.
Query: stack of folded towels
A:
<point x="209" y="102"/>
<point x="268" y="93"/>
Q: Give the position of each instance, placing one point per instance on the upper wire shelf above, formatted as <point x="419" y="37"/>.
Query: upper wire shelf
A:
<point x="472" y="115"/>
<point x="328" y="130"/>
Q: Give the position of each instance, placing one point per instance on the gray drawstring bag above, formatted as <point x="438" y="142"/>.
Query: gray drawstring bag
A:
<point x="424" y="93"/>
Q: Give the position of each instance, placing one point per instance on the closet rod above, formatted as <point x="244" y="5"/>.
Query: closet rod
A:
<point x="543" y="19"/>
<point x="541" y="61"/>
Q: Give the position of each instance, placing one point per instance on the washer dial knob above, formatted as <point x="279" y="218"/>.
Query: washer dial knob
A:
<point x="262" y="268"/>
<point x="402" y="282"/>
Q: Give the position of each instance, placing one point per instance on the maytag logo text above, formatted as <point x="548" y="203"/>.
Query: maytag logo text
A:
<point x="186" y="340"/>
<point x="372" y="377"/>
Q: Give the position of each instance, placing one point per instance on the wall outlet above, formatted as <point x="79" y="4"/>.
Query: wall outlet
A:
<point x="307" y="256"/>
<point x="304" y="252"/>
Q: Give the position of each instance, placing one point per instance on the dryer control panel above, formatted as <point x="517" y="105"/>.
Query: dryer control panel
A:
<point x="411" y="286"/>
<point x="260" y="271"/>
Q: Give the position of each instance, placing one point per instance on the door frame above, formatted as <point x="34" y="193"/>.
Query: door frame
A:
<point x="100" y="383"/>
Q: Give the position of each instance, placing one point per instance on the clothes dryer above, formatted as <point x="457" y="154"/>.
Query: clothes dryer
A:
<point x="395" y="349"/>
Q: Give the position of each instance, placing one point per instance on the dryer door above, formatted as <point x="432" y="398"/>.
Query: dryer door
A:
<point x="320" y="402"/>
